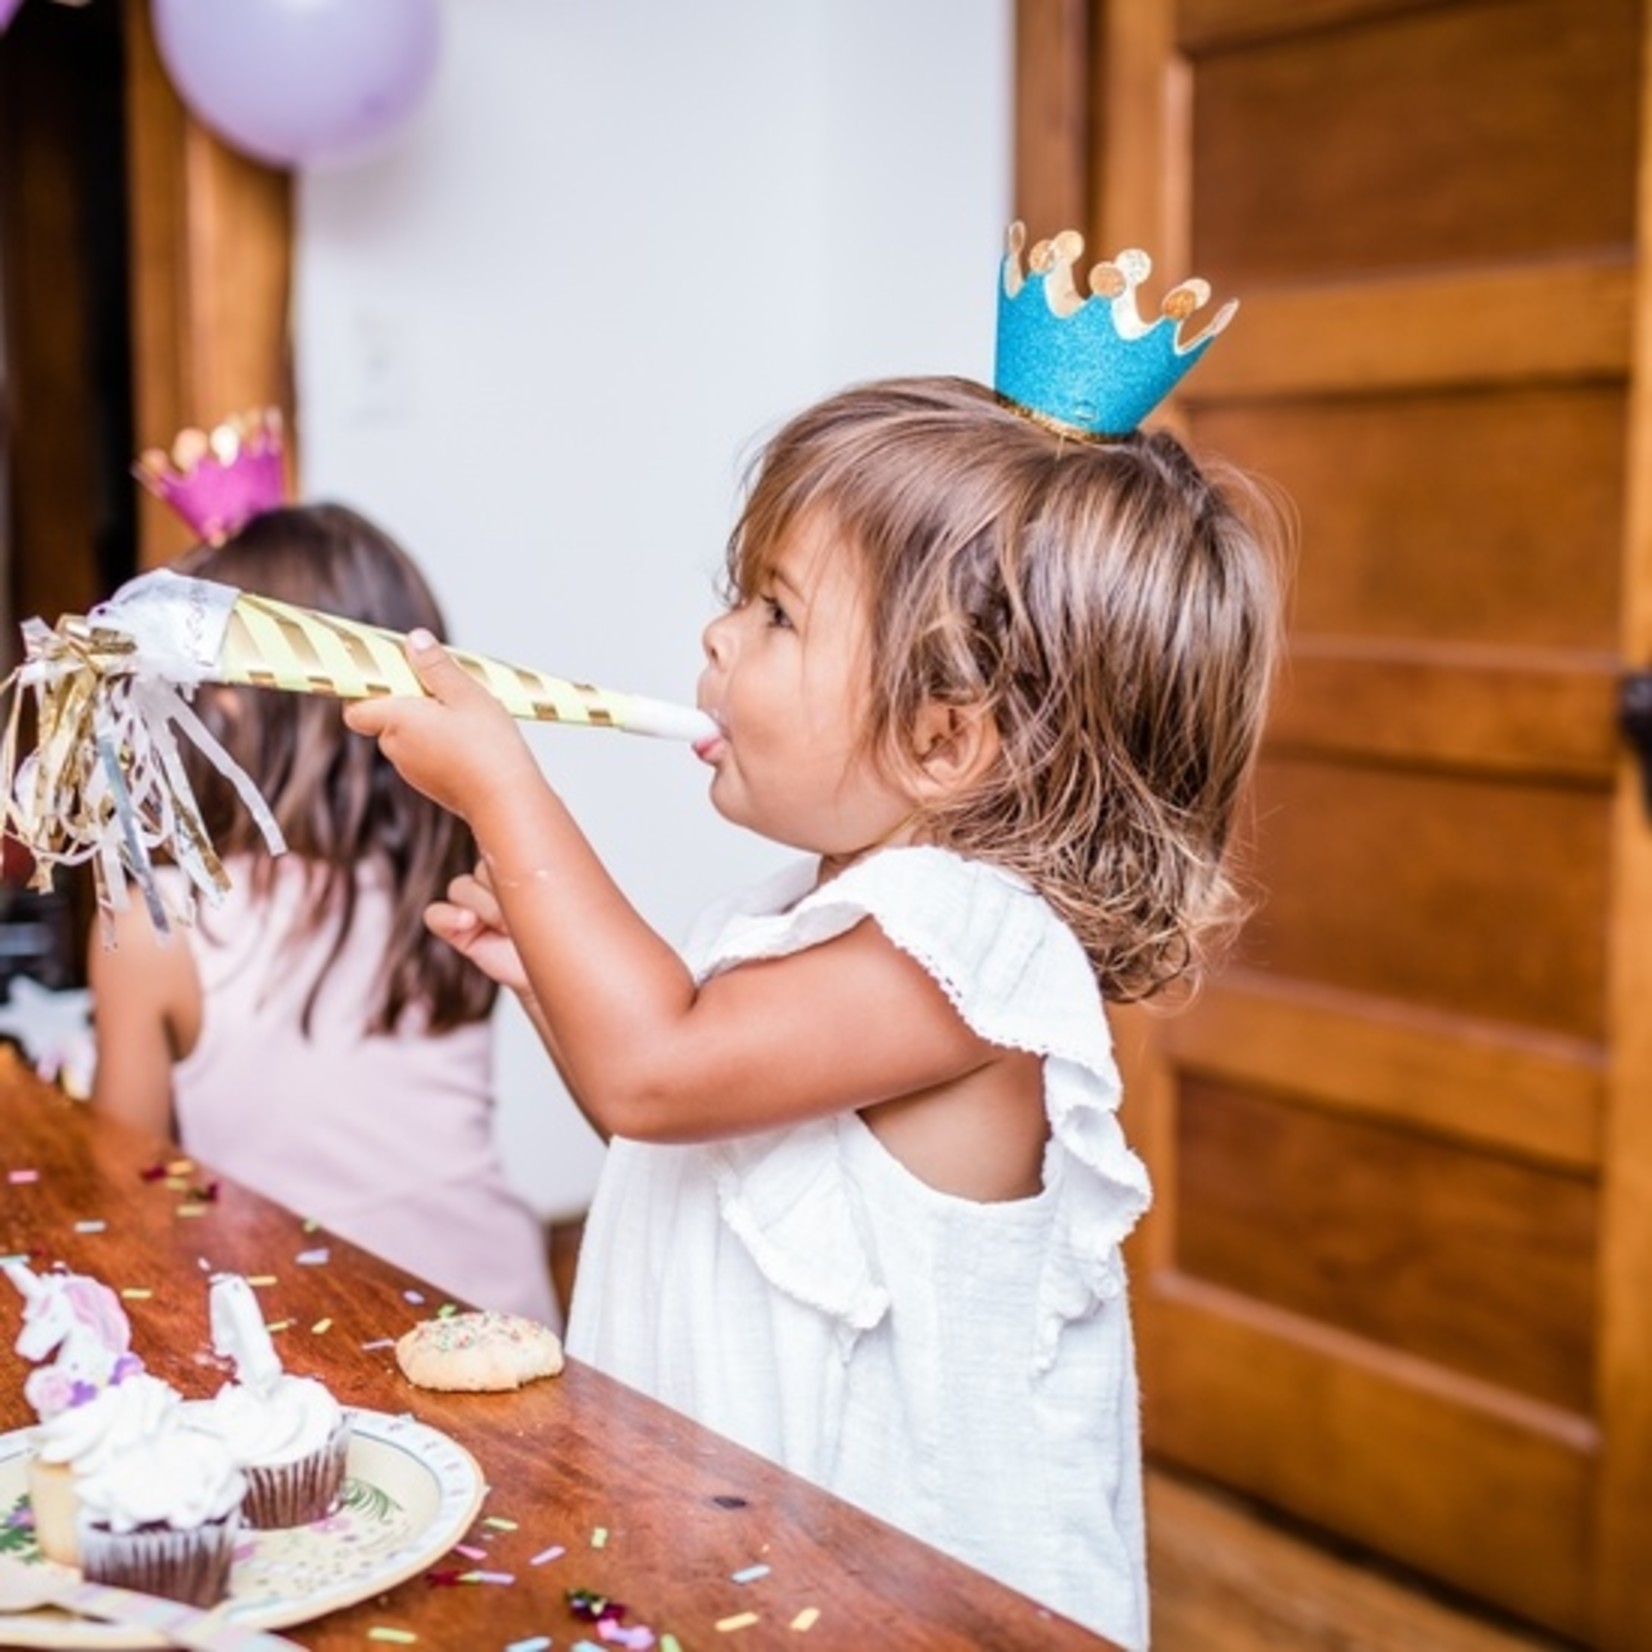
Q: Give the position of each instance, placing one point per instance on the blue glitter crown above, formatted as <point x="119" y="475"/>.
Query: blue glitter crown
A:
<point x="1088" y="365"/>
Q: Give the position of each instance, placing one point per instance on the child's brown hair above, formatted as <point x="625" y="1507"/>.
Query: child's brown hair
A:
<point x="1114" y="611"/>
<point x="338" y="801"/>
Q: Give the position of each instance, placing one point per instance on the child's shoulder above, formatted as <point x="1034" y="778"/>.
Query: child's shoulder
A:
<point x="1003" y="957"/>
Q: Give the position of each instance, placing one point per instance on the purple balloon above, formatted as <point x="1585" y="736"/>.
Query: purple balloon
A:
<point x="7" y="7"/>
<point x="296" y="82"/>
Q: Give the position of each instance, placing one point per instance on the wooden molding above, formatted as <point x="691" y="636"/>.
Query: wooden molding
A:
<point x="211" y="274"/>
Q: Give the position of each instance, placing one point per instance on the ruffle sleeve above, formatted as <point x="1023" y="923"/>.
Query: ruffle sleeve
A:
<point x="1018" y="977"/>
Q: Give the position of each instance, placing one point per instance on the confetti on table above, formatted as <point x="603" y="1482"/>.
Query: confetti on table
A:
<point x="313" y="1258"/>
<point x="415" y="1297"/>
<point x="399" y="1637"/>
<point x="470" y="1551"/>
<point x="381" y="1342"/>
<point x="192" y="1210"/>
<point x="90" y="1226"/>
<point x="279" y="1325"/>
<point x="585" y="1646"/>
<point x="487" y="1577"/>
<point x="740" y="1620"/>
<point x="806" y="1619"/>
<point x="670" y="1643"/>
<point x="749" y="1574"/>
<point x="592" y="1605"/>
<point x="18" y="1176"/>
<point x="309" y="1224"/>
<point x="499" y="1523"/>
<point x="135" y="1293"/>
<point x="534" y="1643"/>
<point x="320" y="1326"/>
<point x="259" y="1281"/>
<point x="447" y="1310"/>
<point x="638" y="1639"/>
<point x="179" y="1167"/>
<point x="555" y="1552"/>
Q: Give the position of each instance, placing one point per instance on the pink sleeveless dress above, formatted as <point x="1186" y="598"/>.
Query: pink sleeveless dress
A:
<point x="386" y="1140"/>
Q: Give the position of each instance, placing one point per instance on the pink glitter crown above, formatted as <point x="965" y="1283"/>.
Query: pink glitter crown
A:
<point x="218" y="480"/>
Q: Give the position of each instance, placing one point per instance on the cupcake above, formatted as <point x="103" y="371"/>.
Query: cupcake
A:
<point x="287" y="1435"/>
<point x="77" y="1334"/>
<point x="83" y="1439"/>
<point x="162" y="1517"/>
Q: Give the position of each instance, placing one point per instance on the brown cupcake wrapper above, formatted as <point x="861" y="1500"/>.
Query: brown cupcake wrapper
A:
<point x="294" y="1494"/>
<point x="192" y="1566"/>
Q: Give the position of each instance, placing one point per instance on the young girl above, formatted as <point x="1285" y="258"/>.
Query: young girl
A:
<point x="863" y="1203"/>
<point x="309" y="1037"/>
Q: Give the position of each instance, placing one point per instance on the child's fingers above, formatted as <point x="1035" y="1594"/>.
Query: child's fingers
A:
<point x="475" y="897"/>
<point x="443" y="677"/>
<point x="369" y="717"/>
<point x="451" y="923"/>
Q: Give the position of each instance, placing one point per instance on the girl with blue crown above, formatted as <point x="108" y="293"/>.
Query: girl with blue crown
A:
<point x="866" y="1187"/>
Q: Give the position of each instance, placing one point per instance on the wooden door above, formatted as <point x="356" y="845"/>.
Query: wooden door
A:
<point x="1399" y="1278"/>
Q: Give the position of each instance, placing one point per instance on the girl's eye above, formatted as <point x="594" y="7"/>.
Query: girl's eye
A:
<point x="778" y="618"/>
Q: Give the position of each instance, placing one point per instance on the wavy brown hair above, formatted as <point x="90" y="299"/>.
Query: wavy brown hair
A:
<point x="1114" y="608"/>
<point x="338" y="801"/>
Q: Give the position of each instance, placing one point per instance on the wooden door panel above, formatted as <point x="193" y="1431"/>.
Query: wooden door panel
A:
<point x="1396" y="1276"/>
<point x="1434" y="516"/>
<point x="1459" y="1478"/>
<point x="1435" y="889"/>
<point x="1516" y="1092"/>
<point x="1492" y="98"/>
<point x="1481" y="1263"/>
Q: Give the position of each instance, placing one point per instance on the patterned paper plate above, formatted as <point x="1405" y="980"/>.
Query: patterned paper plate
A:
<point x="410" y="1494"/>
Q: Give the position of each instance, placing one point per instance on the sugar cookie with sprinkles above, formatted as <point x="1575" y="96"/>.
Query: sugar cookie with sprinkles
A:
<point x="479" y="1352"/>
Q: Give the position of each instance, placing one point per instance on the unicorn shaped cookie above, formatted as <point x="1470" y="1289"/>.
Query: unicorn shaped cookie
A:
<point x="78" y="1324"/>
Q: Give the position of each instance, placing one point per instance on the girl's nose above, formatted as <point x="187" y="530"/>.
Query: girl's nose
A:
<point x="716" y="638"/>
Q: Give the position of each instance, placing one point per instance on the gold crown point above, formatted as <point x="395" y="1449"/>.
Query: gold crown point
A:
<point x="1107" y="281"/>
<point x="189" y="447"/>
<point x="1186" y="297"/>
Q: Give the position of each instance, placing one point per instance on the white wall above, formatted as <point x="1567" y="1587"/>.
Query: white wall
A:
<point x="538" y="337"/>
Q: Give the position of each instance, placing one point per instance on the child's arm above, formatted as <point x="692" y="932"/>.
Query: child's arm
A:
<point x="647" y="1054"/>
<point x="141" y="989"/>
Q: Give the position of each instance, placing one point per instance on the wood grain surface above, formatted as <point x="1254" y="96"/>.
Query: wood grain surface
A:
<point x="651" y="1509"/>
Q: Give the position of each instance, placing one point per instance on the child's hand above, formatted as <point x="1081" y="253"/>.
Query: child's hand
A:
<point x="460" y="746"/>
<point x="470" y="921"/>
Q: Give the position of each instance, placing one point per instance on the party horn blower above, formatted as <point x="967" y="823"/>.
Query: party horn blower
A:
<point x="105" y="782"/>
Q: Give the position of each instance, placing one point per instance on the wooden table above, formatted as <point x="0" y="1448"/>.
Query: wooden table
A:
<point x="651" y="1509"/>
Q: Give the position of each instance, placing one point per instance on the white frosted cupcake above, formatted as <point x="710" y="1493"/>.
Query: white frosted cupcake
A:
<point x="286" y="1434"/>
<point x="76" y="1334"/>
<point x="85" y="1439"/>
<point x="162" y="1517"/>
<point x="289" y="1439"/>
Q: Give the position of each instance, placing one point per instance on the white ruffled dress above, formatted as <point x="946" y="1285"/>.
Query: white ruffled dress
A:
<point x="964" y="1371"/>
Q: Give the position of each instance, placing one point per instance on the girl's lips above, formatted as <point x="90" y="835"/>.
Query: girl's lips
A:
<point x="710" y="747"/>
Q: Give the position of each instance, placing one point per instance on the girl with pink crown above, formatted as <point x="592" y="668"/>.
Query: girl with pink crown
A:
<point x="308" y="1036"/>
<point x="1002" y="684"/>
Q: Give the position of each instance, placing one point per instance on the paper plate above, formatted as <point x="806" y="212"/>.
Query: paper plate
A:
<point x="410" y="1494"/>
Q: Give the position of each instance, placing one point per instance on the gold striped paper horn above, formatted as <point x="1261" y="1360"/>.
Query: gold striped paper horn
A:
<point x="105" y="783"/>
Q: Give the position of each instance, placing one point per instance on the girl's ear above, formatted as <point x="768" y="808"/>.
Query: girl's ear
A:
<point x="955" y="746"/>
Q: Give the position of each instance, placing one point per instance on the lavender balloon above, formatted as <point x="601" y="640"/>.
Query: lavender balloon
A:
<point x="300" y="82"/>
